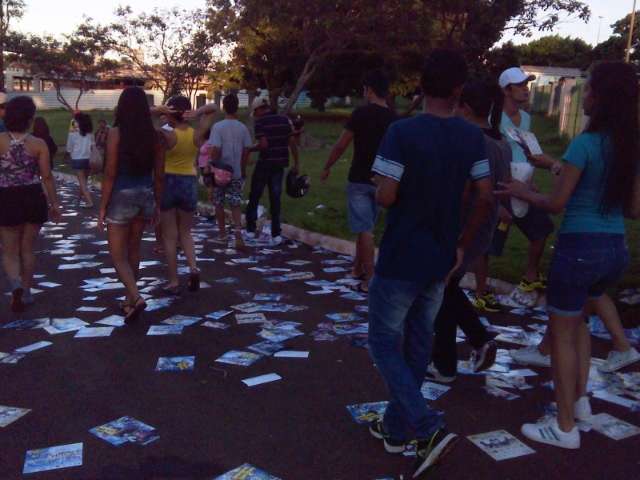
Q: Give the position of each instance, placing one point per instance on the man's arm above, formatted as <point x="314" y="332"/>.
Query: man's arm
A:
<point x="336" y="152"/>
<point x="293" y="146"/>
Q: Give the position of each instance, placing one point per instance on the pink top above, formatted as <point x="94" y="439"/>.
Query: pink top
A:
<point x="205" y="155"/>
<point x="17" y="167"/>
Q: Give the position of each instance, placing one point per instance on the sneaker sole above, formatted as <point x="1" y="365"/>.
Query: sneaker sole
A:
<point x="438" y="453"/>
<point x="488" y="360"/>
<point x="387" y="446"/>
<point x="375" y="434"/>
<point x="430" y="377"/>
<point x="622" y="365"/>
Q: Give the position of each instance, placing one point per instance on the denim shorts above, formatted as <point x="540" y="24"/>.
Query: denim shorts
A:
<point x="80" y="164"/>
<point x="130" y="203"/>
<point x="584" y="266"/>
<point x="232" y="193"/>
<point x="181" y="192"/>
<point x="363" y="209"/>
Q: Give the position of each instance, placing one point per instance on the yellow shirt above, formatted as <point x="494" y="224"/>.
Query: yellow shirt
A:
<point x="180" y="160"/>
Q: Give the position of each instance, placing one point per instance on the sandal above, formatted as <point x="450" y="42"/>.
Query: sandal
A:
<point x="194" y="281"/>
<point x="135" y="310"/>
<point x="175" y="291"/>
<point x="362" y="287"/>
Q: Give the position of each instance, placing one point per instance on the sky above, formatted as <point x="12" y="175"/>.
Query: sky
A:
<point x="59" y="17"/>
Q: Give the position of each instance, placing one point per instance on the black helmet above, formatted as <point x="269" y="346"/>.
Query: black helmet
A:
<point x="297" y="186"/>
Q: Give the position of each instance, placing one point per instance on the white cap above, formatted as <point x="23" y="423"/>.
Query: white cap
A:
<point x="514" y="76"/>
<point x="258" y="103"/>
<point x="3" y="98"/>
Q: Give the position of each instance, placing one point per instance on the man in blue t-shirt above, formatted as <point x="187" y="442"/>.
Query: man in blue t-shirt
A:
<point x="422" y="168"/>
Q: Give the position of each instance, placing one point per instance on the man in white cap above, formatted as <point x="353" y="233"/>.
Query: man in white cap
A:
<point x="273" y="134"/>
<point x="3" y="103"/>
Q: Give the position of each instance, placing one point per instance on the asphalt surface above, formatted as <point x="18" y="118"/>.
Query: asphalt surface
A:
<point x="209" y="422"/>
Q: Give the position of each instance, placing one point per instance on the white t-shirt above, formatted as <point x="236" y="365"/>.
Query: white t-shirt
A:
<point x="79" y="147"/>
<point x="231" y="137"/>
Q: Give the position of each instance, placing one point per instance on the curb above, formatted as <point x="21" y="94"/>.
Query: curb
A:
<point x="334" y="244"/>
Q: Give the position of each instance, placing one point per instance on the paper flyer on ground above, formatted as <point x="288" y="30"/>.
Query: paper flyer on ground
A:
<point x="9" y="415"/>
<point x="365" y="413"/>
<point x="247" y="472"/>
<point x="175" y="364"/>
<point x="126" y="430"/>
<point x="53" y="458"/>
<point x="613" y="427"/>
<point x="500" y="445"/>
<point x="236" y="357"/>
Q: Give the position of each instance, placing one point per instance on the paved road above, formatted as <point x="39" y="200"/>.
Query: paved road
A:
<point x="208" y="421"/>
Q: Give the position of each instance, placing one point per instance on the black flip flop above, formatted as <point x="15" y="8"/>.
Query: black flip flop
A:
<point x="136" y="310"/>
<point x="194" y="281"/>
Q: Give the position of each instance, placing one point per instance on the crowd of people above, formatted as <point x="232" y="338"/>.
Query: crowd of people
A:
<point x="445" y="178"/>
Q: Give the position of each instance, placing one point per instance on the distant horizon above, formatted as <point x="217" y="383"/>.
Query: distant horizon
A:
<point x="41" y="15"/>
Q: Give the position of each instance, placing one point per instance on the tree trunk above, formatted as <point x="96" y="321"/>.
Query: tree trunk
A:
<point x="307" y="72"/>
<point x="61" y="98"/>
<point x="79" y="97"/>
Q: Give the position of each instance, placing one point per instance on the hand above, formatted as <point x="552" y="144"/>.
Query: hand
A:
<point x="540" y="161"/>
<point x="190" y="114"/>
<point x="101" y="217"/>
<point x="54" y="211"/>
<point x="456" y="267"/>
<point x="556" y="168"/>
<point x="514" y="188"/>
<point x="325" y="175"/>
<point x="296" y="169"/>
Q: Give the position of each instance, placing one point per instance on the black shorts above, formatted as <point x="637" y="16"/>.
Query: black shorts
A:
<point x="535" y="225"/>
<point x="23" y="204"/>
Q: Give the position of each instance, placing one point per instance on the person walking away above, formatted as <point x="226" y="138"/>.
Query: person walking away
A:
<point x="365" y="128"/>
<point x="131" y="190"/>
<point x="423" y="166"/>
<point x="180" y="194"/>
<point x="481" y="105"/>
<point x="598" y="184"/>
<point x="273" y="134"/>
<point x="41" y="131"/>
<point x="231" y="143"/>
<point x="79" y="144"/>
<point x="27" y="195"/>
<point x="101" y="136"/>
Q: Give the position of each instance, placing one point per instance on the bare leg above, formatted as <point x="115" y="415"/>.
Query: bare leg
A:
<point x="11" y="245"/>
<point x="565" y="365"/>
<point x="608" y="313"/>
<point x="118" y="236"/>
<point x="185" y="223"/>
<point x="357" y="259"/>
<point x="220" y="218"/>
<point x="136" y="231"/>
<point x="84" y="189"/>
<point x="584" y="359"/>
<point x="367" y="253"/>
<point x="481" y="271"/>
<point x="536" y="250"/>
<point x="29" y="236"/>
<point x="236" y="216"/>
<point x="170" y="239"/>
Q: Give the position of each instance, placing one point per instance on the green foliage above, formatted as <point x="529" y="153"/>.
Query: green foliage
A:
<point x="614" y="48"/>
<point x="557" y="51"/>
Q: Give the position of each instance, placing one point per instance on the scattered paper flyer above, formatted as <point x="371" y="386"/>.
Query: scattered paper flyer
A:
<point x="91" y="309"/>
<point x="217" y="325"/>
<point x="291" y="354"/>
<point x="33" y="347"/>
<point x="112" y="321"/>
<point x="175" y="364"/>
<point x="500" y="445"/>
<point x="183" y="320"/>
<point x="9" y="415"/>
<point x="268" y="378"/>
<point x="126" y="430"/>
<point x="93" y="332"/>
<point x="266" y="348"/>
<point x="500" y="393"/>
<point x="165" y="330"/>
<point x="235" y="357"/>
<point x="219" y="314"/>
<point x="246" y="472"/>
<point x="433" y="391"/>
<point x="53" y="458"/>
<point x="64" y="325"/>
<point x="248" y="318"/>
<point x="366" y="413"/>
<point x="613" y="427"/>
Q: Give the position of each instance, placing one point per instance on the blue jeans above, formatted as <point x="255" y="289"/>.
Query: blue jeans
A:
<point x="362" y="207"/>
<point x="401" y="319"/>
<point x="265" y="175"/>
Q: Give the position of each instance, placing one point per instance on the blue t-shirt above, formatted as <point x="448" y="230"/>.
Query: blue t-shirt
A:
<point x="432" y="158"/>
<point x="3" y="127"/>
<point x="590" y="152"/>
<point x="517" y="153"/>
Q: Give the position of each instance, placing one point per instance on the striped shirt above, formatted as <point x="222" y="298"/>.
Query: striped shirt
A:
<point x="277" y="129"/>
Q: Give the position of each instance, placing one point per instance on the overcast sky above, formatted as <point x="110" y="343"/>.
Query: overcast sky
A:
<point x="57" y="17"/>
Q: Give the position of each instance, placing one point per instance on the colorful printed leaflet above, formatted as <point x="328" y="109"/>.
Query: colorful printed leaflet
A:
<point x="365" y="413"/>
<point x="175" y="364"/>
<point x="246" y="472"/>
<point x="53" y="458"/>
<point x="126" y="430"/>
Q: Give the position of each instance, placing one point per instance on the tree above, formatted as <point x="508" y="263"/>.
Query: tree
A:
<point x="172" y="48"/>
<point x="556" y="51"/>
<point x="9" y="10"/>
<point x="79" y="58"/>
<point x="316" y="30"/>
<point x="614" y="47"/>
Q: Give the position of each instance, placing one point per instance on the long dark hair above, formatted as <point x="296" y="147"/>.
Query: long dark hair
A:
<point x="614" y="87"/>
<point x="138" y="137"/>
<point x="180" y="104"/>
<point x="486" y="99"/>
<point x="85" y="125"/>
<point x="40" y="128"/>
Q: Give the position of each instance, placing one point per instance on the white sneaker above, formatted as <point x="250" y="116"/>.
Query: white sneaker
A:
<point x="549" y="432"/>
<point x="582" y="409"/>
<point x="531" y="356"/>
<point x="617" y="360"/>
<point x="434" y="374"/>
<point x="275" y="241"/>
